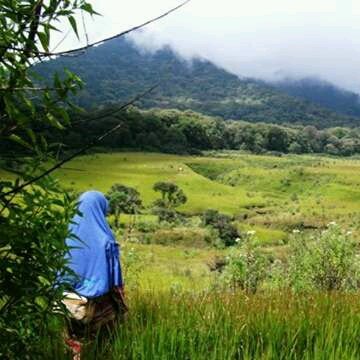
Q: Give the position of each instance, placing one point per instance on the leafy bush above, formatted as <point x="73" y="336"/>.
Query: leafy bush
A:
<point x="228" y="233"/>
<point x="132" y="266"/>
<point x="245" y="267"/>
<point x="34" y="211"/>
<point x="171" y="198"/>
<point x="166" y="214"/>
<point x="171" y="195"/>
<point x="325" y="261"/>
<point x="32" y="250"/>
<point x="146" y="226"/>
<point x="123" y="199"/>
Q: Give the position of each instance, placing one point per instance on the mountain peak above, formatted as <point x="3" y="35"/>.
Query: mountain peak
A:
<point x="117" y="70"/>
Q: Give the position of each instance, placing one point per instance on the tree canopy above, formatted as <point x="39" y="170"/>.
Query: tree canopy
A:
<point x="123" y="199"/>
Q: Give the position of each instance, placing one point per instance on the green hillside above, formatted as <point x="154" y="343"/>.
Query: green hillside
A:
<point x="322" y="93"/>
<point x="117" y="70"/>
<point x="269" y="194"/>
<point x="142" y="170"/>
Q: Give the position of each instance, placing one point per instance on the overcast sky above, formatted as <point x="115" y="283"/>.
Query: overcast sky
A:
<point x="267" y="39"/>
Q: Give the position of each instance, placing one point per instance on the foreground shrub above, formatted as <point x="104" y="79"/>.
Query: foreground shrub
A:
<point x="32" y="249"/>
<point x="325" y="261"/>
<point x="246" y="266"/>
<point x="132" y="266"/>
<point x="34" y="212"/>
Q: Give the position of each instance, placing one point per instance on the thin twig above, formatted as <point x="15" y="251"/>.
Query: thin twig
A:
<point x="61" y="41"/>
<point x="84" y="27"/>
<point x="33" y="27"/>
<point x="29" y="89"/>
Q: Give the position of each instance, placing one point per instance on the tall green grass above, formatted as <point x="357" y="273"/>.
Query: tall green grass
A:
<point x="237" y="326"/>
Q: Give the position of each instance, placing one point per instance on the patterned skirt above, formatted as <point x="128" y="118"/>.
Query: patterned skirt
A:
<point x="88" y="316"/>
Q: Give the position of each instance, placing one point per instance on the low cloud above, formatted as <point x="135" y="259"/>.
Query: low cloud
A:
<point x="267" y="39"/>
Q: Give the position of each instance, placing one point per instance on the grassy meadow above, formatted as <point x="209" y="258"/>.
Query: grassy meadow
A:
<point x="142" y="170"/>
<point x="272" y="195"/>
<point x="178" y="306"/>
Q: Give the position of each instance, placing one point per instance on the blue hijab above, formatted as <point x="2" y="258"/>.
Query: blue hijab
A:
<point x="94" y="253"/>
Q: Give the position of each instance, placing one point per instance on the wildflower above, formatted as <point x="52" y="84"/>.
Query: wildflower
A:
<point x="296" y="231"/>
<point x="332" y="223"/>
<point x="349" y="233"/>
<point x="237" y="240"/>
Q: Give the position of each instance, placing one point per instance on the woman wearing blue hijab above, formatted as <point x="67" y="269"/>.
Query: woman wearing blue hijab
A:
<point x="97" y="298"/>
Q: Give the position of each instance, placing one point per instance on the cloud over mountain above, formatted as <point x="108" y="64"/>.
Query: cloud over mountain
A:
<point x="264" y="39"/>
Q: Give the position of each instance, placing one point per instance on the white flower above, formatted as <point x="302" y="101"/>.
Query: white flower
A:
<point x="251" y="232"/>
<point x="349" y="233"/>
<point x="296" y="231"/>
<point x="332" y="223"/>
<point x="237" y="240"/>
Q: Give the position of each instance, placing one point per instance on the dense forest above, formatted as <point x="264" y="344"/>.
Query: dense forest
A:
<point x="116" y="71"/>
<point x="182" y="132"/>
<point x="323" y="93"/>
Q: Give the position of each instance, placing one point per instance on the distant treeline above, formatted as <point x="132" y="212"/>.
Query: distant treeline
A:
<point x="174" y="131"/>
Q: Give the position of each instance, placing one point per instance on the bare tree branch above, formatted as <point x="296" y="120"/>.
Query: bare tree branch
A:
<point x="61" y="40"/>
<point x="33" y="27"/>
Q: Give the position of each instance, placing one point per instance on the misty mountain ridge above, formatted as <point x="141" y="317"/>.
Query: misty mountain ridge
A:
<point x="116" y="71"/>
<point x="323" y="93"/>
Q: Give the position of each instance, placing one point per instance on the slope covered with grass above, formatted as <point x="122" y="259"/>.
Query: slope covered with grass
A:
<point x="270" y="192"/>
<point x="143" y="170"/>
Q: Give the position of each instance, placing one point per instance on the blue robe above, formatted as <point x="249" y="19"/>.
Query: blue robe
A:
<point x="94" y="253"/>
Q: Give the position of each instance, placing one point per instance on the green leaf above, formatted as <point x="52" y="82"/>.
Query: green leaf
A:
<point x="41" y="302"/>
<point x="53" y="121"/>
<point x="57" y="81"/>
<point x="44" y="281"/>
<point x="44" y="39"/>
<point x="51" y="27"/>
<point x="19" y="140"/>
<point x="31" y="135"/>
<point x="89" y="9"/>
<point x="73" y="25"/>
<point x="43" y="143"/>
<point x="29" y="104"/>
<point x="64" y="114"/>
